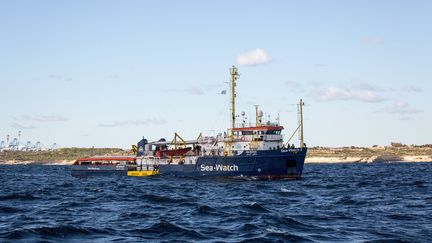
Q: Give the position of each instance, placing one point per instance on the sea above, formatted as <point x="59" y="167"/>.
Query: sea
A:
<point x="382" y="202"/>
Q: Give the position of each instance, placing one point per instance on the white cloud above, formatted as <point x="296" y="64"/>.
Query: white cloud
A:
<point x="21" y="126"/>
<point x="150" y="121"/>
<point x="60" y="77"/>
<point x="113" y="76"/>
<point x="406" y="118"/>
<point x="320" y="65"/>
<point x="194" y="91"/>
<point x="412" y="88"/>
<point x="400" y="108"/>
<point x="362" y="92"/>
<point x="294" y="86"/>
<point x="253" y="58"/>
<point x="373" y="40"/>
<point x="44" y="118"/>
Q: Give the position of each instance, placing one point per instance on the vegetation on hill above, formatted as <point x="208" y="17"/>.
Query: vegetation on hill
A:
<point x="377" y="154"/>
<point x="59" y="154"/>
<point x="368" y="152"/>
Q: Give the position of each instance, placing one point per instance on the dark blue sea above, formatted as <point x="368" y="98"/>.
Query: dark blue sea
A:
<point x="387" y="202"/>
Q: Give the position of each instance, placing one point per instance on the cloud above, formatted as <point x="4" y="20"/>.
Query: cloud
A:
<point x="412" y="88"/>
<point x="372" y="40"/>
<point x="253" y="58"/>
<point x="113" y="76"/>
<point x="400" y="108"/>
<point x="194" y="91"/>
<point x="367" y="86"/>
<point x="150" y="121"/>
<point x="320" y="65"/>
<point x="294" y="86"/>
<point x="44" y="118"/>
<point x="53" y="77"/>
<point x="21" y="126"/>
<point x="361" y="92"/>
<point x="406" y="118"/>
<point x="59" y="77"/>
<point x="316" y="83"/>
<point x="190" y="90"/>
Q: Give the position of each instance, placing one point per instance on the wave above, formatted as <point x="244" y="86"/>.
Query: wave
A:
<point x="349" y="201"/>
<point x="162" y="199"/>
<point x="133" y="215"/>
<point x="10" y="210"/>
<point x="61" y="231"/>
<point x="18" y="196"/>
<point x="204" y="209"/>
<point x="387" y="240"/>
<point x="291" y="223"/>
<point x="256" y="207"/>
<point x="273" y="234"/>
<point x="167" y="229"/>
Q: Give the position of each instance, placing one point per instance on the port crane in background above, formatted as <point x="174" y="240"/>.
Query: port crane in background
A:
<point x="16" y="145"/>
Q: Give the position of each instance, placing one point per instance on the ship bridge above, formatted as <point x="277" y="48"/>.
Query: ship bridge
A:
<point x="259" y="136"/>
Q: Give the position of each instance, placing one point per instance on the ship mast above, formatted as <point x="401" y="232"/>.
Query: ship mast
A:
<point x="301" y="123"/>
<point x="234" y="76"/>
<point x="257" y="122"/>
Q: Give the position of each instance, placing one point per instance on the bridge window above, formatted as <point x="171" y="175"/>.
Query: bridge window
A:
<point x="276" y="132"/>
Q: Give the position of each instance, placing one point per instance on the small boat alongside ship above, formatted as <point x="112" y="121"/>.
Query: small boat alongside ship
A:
<point x="103" y="165"/>
<point x="244" y="150"/>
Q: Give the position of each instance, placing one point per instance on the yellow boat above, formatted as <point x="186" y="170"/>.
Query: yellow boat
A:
<point x="142" y="172"/>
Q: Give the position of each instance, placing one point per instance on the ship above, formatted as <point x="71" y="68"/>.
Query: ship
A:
<point x="103" y="165"/>
<point x="245" y="149"/>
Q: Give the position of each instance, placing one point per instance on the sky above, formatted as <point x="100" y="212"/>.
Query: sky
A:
<point x="107" y="73"/>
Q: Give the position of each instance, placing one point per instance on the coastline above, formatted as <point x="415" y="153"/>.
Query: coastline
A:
<point x="309" y="160"/>
<point x="372" y="159"/>
<point x="29" y="162"/>
<point x="66" y="156"/>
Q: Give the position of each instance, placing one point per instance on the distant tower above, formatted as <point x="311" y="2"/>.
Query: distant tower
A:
<point x="19" y="137"/>
<point x="28" y="146"/>
<point x="38" y="146"/>
<point x="7" y="140"/>
<point x="15" y="144"/>
<point x="2" y="144"/>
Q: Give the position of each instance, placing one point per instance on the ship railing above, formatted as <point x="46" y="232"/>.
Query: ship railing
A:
<point x="152" y="161"/>
<point x="247" y="124"/>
